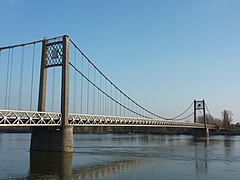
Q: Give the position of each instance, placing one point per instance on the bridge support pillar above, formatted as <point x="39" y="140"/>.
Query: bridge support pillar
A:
<point x="200" y="132"/>
<point x="207" y="132"/>
<point x="54" y="138"/>
<point x="200" y="105"/>
<point x="58" y="139"/>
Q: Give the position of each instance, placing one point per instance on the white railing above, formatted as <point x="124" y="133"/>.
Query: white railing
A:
<point x="35" y="118"/>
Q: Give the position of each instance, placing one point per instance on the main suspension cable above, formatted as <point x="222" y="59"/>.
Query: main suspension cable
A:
<point x="104" y="93"/>
<point x="210" y="115"/>
<point x="29" y="43"/>
<point x="182" y="112"/>
<point x="158" y="116"/>
<point x="180" y="119"/>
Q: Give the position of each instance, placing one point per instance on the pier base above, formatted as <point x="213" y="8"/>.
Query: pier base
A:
<point x="200" y="132"/>
<point x="58" y="139"/>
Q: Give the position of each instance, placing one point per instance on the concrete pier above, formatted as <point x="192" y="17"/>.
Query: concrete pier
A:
<point x="200" y="132"/>
<point x="52" y="139"/>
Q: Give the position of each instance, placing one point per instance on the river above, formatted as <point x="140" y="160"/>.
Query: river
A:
<point x="124" y="157"/>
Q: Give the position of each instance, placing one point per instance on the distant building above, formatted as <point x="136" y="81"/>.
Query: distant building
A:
<point x="237" y="125"/>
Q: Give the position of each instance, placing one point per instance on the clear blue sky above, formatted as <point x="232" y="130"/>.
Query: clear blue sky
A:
<point x="163" y="53"/>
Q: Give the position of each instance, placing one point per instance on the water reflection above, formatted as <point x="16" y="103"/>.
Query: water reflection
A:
<point x="229" y="154"/>
<point x="228" y="143"/>
<point x="201" y="154"/>
<point x="50" y="165"/>
<point x="124" y="157"/>
<point x="106" y="169"/>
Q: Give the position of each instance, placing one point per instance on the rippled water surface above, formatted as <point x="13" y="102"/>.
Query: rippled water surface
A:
<point x="124" y="157"/>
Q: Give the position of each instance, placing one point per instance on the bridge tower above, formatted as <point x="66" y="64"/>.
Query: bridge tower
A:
<point x="54" y="53"/>
<point x="200" y="105"/>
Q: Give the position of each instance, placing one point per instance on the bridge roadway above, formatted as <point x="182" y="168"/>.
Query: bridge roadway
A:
<point x="35" y="118"/>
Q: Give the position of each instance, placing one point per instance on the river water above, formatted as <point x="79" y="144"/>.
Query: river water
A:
<point x="124" y="157"/>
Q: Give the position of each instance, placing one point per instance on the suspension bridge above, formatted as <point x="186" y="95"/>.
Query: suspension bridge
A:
<point x="52" y="86"/>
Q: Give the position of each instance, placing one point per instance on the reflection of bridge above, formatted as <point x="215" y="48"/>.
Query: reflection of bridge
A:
<point x="107" y="169"/>
<point x="43" y="166"/>
<point x="84" y="90"/>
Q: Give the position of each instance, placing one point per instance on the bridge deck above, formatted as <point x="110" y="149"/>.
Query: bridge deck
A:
<point x="35" y="118"/>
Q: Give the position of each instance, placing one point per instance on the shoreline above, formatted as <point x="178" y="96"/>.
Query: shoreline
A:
<point x="127" y="130"/>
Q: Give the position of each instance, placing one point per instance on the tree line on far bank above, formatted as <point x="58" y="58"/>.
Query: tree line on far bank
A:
<point x="224" y="123"/>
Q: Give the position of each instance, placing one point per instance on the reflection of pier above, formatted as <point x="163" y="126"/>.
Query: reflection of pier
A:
<point x="51" y="165"/>
<point x="201" y="155"/>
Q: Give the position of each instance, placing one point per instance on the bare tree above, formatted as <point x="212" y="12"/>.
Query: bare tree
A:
<point x="227" y="118"/>
<point x="209" y="119"/>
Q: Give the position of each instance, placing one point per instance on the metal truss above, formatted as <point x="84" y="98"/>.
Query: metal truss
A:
<point x="34" y="118"/>
<point x="99" y="120"/>
<point x="29" y="118"/>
